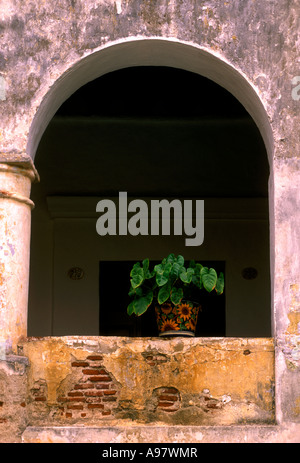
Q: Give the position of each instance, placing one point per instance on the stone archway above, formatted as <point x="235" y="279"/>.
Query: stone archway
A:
<point x="18" y="170"/>
<point x="132" y="52"/>
<point x="147" y="52"/>
<point x="49" y="51"/>
<point x="154" y="52"/>
<point x="150" y="52"/>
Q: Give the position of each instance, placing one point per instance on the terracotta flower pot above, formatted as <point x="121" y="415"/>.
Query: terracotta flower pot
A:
<point x="177" y="320"/>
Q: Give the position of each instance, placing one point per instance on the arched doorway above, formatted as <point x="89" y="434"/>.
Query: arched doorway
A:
<point x="207" y="65"/>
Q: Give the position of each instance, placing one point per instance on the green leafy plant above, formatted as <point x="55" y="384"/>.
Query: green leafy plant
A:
<point x="171" y="280"/>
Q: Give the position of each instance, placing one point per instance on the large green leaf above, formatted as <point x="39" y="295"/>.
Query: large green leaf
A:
<point x="196" y="279"/>
<point x="131" y="292"/>
<point x="171" y="258"/>
<point x="180" y="260"/>
<point x="164" y="293"/>
<point x="161" y="279"/>
<point x="186" y="275"/>
<point x="163" y="273"/>
<point x="141" y="304"/>
<point x="137" y="275"/>
<point x="147" y="273"/>
<point x="159" y="269"/>
<point x="176" y="295"/>
<point x="209" y="278"/>
<point x="130" y="308"/>
<point x="145" y="265"/>
<point x="220" y="283"/>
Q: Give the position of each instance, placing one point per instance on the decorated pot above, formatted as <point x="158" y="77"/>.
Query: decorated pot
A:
<point x="177" y="320"/>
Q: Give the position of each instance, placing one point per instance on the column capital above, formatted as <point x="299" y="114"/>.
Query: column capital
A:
<point x="17" y="190"/>
<point x="25" y="168"/>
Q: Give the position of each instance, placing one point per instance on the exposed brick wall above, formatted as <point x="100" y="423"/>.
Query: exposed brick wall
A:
<point x="94" y="392"/>
<point x="38" y="392"/>
<point x="87" y="381"/>
<point x="89" y="392"/>
<point x="155" y="358"/>
<point x="168" y="399"/>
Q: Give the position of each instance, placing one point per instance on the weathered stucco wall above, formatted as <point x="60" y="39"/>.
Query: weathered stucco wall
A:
<point x="47" y="50"/>
<point x="203" y="381"/>
<point x="42" y="40"/>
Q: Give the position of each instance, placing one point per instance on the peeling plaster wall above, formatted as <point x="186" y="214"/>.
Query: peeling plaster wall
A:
<point x="203" y="381"/>
<point x="43" y="40"/>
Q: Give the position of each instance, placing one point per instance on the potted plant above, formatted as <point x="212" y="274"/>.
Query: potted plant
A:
<point x="174" y="290"/>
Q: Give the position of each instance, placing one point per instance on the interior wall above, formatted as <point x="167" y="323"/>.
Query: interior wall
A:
<point x="239" y="236"/>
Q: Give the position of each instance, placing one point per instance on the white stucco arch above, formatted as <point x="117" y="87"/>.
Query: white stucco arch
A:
<point x="141" y="51"/>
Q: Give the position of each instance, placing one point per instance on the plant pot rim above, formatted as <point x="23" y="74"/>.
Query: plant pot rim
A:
<point x="175" y="333"/>
<point x="182" y="301"/>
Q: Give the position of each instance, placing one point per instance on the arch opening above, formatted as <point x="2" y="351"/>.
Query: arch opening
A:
<point x="160" y="123"/>
<point x="150" y="52"/>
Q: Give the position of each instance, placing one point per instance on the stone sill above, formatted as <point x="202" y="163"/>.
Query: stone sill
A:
<point x="96" y="342"/>
<point x="132" y="433"/>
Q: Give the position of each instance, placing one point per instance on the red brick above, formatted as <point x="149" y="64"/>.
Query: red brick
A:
<point x="74" y="407"/>
<point x="106" y="412"/>
<point x="40" y="399"/>
<point x="170" y="390"/>
<point x="79" y="364"/>
<point x="84" y="386"/>
<point x="69" y="415"/>
<point x="75" y="394"/>
<point x="168" y="398"/>
<point x="101" y="386"/>
<point x="75" y="399"/>
<point x="165" y="404"/>
<point x="95" y="357"/>
<point x="100" y="378"/>
<point x="90" y="371"/>
<point x="109" y="392"/>
<point x="93" y="393"/>
<point x="93" y="400"/>
<point x="95" y="406"/>
<point x="109" y="399"/>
